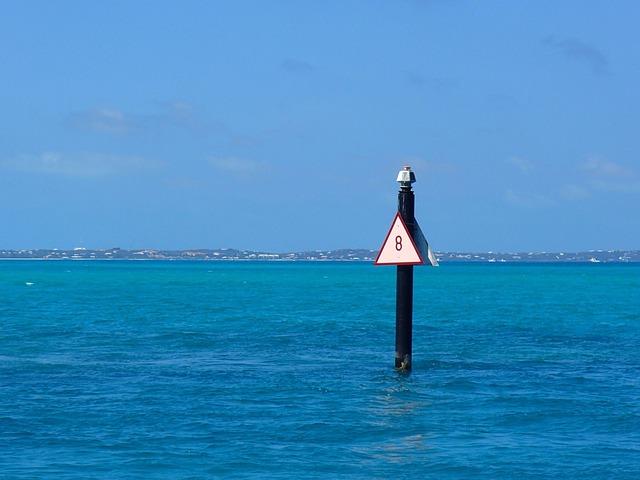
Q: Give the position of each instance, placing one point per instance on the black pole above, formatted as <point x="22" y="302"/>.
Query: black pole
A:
<point x="404" y="286"/>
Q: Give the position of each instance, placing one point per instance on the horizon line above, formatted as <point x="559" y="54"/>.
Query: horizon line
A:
<point x="323" y="250"/>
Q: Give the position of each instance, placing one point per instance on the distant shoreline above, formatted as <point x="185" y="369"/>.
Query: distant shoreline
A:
<point x="158" y="260"/>
<point x="341" y="255"/>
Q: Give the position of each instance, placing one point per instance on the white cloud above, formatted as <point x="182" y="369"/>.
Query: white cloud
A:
<point x="522" y="164"/>
<point x="608" y="176"/>
<point x="527" y="200"/>
<point x="627" y="186"/>
<point x="104" y="120"/>
<point x="176" y="115"/>
<point x="77" y="165"/>
<point x="574" y="192"/>
<point x="600" y="167"/>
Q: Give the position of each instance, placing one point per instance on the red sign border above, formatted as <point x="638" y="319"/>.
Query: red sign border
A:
<point x="421" y="262"/>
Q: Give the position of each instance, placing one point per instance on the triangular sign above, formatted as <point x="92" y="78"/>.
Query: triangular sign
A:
<point x="399" y="248"/>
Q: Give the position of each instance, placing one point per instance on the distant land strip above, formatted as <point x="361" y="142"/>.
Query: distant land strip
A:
<point x="353" y="255"/>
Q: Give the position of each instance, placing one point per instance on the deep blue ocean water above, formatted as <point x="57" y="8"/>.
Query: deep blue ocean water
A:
<point x="178" y="370"/>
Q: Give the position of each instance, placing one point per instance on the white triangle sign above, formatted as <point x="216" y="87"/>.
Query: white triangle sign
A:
<point x="399" y="248"/>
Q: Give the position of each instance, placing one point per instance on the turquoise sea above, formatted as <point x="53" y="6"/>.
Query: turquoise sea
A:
<point x="176" y="370"/>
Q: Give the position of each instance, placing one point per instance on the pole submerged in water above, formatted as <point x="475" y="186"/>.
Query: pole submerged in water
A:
<point x="405" y="246"/>
<point x="404" y="275"/>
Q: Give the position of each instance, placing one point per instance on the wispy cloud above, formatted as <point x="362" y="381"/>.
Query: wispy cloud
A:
<point x="574" y="192"/>
<point x="591" y="179"/>
<point x="522" y="164"/>
<point x="608" y="176"/>
<point x="237" y="165"/>
<point x="527" y="199"/>
<point x="627" y="186"/>
<point x="78" y="165"/>
<point x="601" y="167"/>
<point x="292" y="65"/>
<point x="177" y="114"/>
<point x="599" y="174"/>
<point x="106" y="120"/>
<point x="578" y="50"/>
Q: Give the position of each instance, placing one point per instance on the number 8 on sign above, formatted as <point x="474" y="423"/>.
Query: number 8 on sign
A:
<point x="398" y="247"/>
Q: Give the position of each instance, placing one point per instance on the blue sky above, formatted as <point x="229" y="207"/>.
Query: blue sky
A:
<point x="281" y="125"/>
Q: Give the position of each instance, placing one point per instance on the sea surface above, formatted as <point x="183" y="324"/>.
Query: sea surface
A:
<point x="188" y="370"/>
